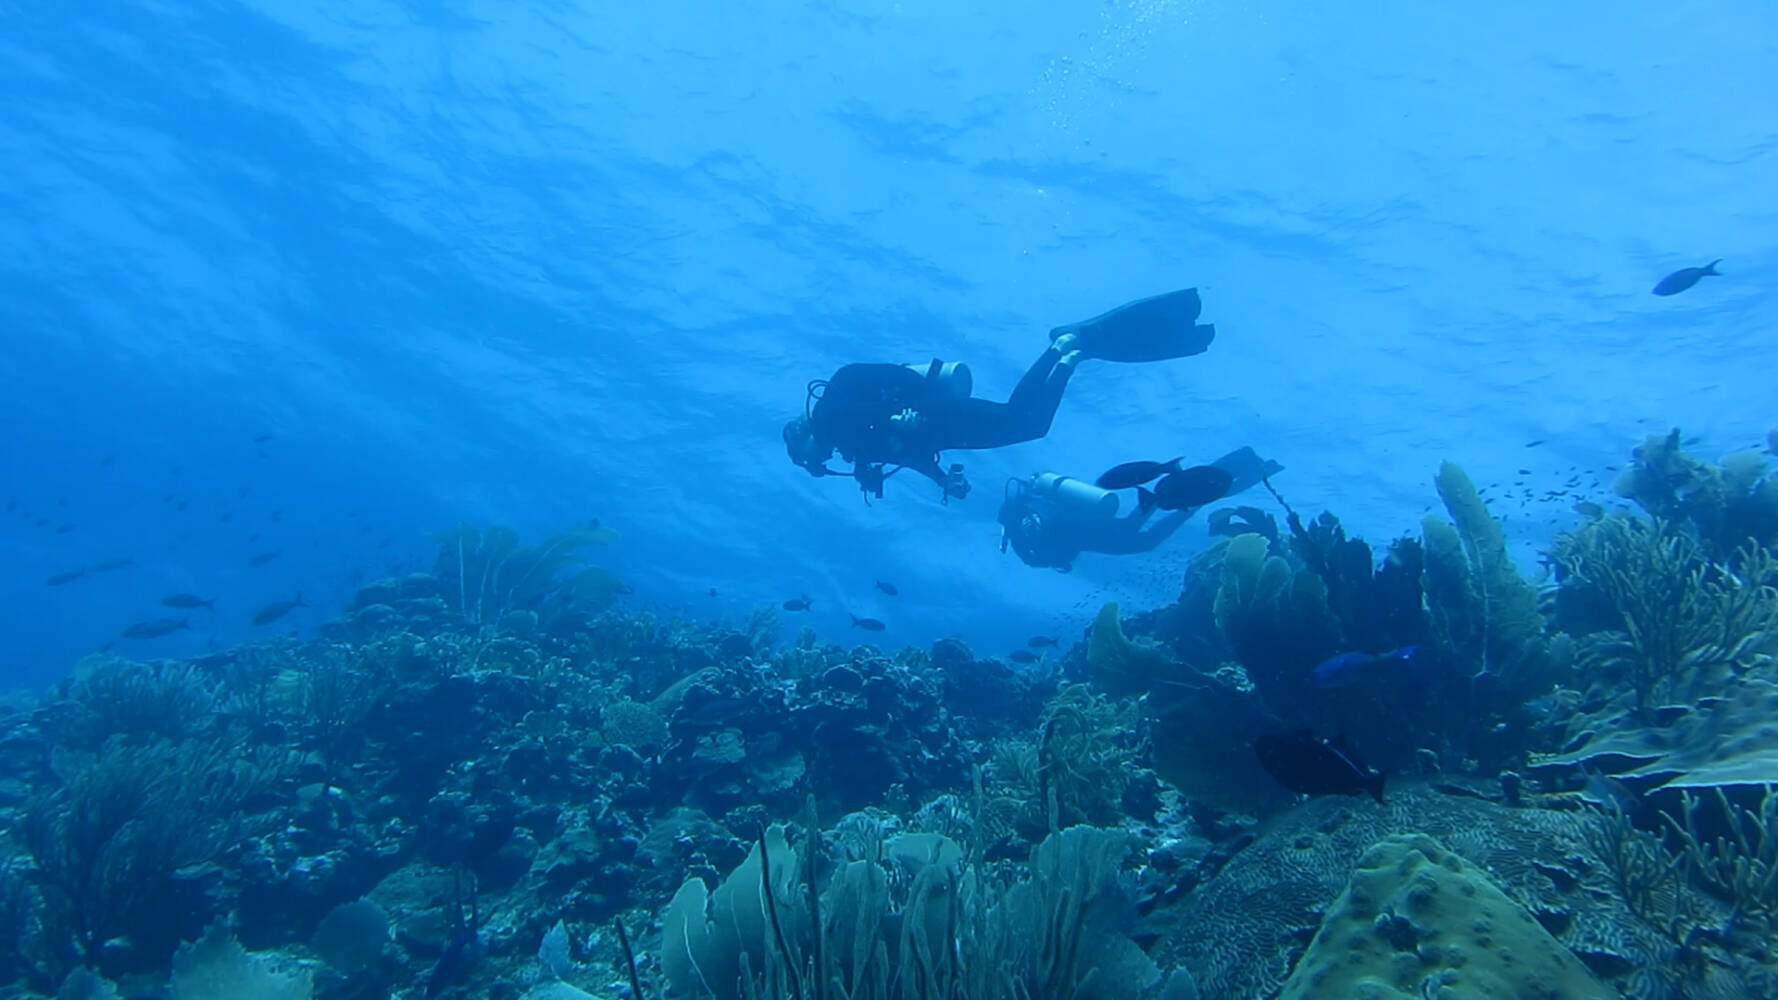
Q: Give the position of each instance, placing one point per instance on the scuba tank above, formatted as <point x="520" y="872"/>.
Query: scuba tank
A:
<point x="949" y="379"/>
<point x="1083" y="498"/>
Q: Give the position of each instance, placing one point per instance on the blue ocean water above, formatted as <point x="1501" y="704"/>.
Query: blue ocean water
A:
<point x="323" y="280"/>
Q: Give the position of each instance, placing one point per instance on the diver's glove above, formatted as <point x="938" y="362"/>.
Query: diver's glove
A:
<point x="909" y="419"/>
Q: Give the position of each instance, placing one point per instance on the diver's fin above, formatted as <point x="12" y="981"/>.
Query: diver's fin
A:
<point x="1152" y="329"/>
<point x="1246" y="468"/>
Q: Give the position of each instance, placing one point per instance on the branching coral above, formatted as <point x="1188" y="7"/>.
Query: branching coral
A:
<point x="1684" y="625"/>
<point x="1075" y="770"/>
<point x="1645" y="874"/>
<point x="163" y="699"/>
<point x="1739" y="865"/>
<point x="17" y="910"/>
<point x="336" y="695"/>
<point x="108" y="840"/>
<point x="488" y="573"/>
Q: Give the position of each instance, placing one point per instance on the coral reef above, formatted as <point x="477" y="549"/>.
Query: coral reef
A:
<point x="1722" y="507"/>
<point x="470" y="763"/>
<point x="107" y="840"/>
<point x="1241" y="928"/>
<point x="1681" y="668"/>
<point x="1417" y="923"/>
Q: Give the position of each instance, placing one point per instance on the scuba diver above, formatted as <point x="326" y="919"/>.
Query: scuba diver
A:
<point x="883" y="418"/>
<point x="1049" y="519"/>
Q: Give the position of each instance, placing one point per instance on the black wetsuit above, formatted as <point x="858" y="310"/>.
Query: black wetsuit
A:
<point x="855" y="411"/>
<point x="1062" y="531"/>
<point x="1065" y="535"/>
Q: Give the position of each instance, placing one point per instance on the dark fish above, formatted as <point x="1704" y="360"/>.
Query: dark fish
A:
<point x="1042" y="641"/>
<point x="797" y="604"/>
<point x="261" y="438"/>
<point x="1533" y="444"/>
<point x="260" y="559"/>
<point x="183" y="504"/>
<point x="63" y="529"/>
<point x="1611" y="795"/>
<point x="1022" y="656"/>
<point x="1309" y="766"/>
<point x="712" y="591"/>
<point x="276" y="610"/>
<point x="1122" y="477"/>
<point x="868" y="624"/>
<point x="1686" y="277"/>
<point x="156" y="628"/>
<point x="887" y="588"/>
<point x="186" y="601"/>
<point x="67" y="576"/>
<point x="1354" y="668"/>
<point x="1589" y="509"/>
<point x="111" y="564"/>
<point x="1187" y="489"/>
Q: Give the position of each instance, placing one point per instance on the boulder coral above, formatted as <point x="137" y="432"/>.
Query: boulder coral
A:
<point x="1416" y="922"/>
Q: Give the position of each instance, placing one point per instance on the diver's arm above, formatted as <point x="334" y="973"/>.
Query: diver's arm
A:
<point x="931" y="470"/>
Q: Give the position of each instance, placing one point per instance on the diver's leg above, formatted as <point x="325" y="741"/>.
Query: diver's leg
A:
<point x="1246" y="468"/>
<point x="1025" y="416"/>
<point x="1132" y="537"/>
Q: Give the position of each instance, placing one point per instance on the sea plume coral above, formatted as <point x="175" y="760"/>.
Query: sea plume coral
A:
<point x="1680" y="625"/>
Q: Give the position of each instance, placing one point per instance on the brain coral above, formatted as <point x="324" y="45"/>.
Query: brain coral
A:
<point x="1417" y="922"/>
<point x="1242" y="931"/>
